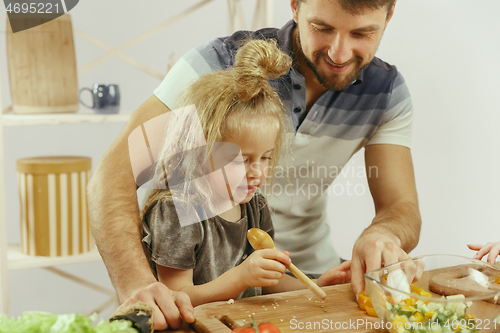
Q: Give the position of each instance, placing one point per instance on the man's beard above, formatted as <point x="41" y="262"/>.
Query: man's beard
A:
<point x="334" y="80"/>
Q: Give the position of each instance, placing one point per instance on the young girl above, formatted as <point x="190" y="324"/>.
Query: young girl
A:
<point x="212" y="260"/>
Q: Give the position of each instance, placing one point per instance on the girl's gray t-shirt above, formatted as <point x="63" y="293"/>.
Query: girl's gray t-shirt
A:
<point x="210" y="247"/>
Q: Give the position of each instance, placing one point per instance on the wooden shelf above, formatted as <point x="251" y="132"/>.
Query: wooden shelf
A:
<point x="63" y="118"/>
<point x="18" y="260"/>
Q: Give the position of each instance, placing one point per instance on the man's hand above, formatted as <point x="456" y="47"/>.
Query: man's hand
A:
<point x="336" y="275"/>
<point x="395" y="228"/>
<point x="372" y="251"/>
<point x="169" y="306"/>
<point x="116" y="226"/>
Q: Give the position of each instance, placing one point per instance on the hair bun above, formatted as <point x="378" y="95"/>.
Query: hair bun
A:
<point x="255" y="61"/>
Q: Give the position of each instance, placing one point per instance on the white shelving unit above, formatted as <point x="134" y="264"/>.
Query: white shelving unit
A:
<point x="65" y="118"/>
<point x="18" y="260"/>
<point x="11" y="257"/>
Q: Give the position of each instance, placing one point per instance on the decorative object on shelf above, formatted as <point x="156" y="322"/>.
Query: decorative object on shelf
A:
<point x="42" y="67"/>
<point x="105" y="98"/>
<point x="54" y="220"/>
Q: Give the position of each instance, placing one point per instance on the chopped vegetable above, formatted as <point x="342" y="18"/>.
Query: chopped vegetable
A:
<point x="364" y="300"/>
<point x="253" y="327"/>
<point x="432" y="317"/>
<point x="370" y="311"/>
<point x="419" y="316"/>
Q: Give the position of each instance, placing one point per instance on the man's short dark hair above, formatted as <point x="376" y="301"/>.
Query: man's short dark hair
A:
<point x="356" y="7"/>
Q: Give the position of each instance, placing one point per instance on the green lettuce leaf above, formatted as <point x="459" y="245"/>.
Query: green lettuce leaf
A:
<point x="44" y="322"/>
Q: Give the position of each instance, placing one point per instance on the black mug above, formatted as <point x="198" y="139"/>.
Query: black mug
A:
<point x="105" y="98"/>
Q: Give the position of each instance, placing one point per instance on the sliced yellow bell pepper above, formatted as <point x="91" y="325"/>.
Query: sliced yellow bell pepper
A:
<point x="429" y="314"/>
<point x="410" y="301"/>
<point x="418" y="317"/>
<point x="416" y="290"/>
<point x="371" y="311"/>
<point x="398" y="323"/>
<point x="408" y="307"/>
<point x="470" y="315"/>
<point x="363" y="300"/>
<point x="419" y="291"/>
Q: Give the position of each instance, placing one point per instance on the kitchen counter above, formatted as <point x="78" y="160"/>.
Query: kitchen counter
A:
<point x="295" y="311"/>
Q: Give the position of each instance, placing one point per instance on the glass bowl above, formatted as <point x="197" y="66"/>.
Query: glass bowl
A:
<point x="449" y="293"/>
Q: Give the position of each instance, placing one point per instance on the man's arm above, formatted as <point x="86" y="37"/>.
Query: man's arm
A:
<point x="115" y="223"/>
<point x="395" y="230"/>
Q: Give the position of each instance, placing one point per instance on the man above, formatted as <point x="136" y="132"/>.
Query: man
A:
<point x="340" y="98"/>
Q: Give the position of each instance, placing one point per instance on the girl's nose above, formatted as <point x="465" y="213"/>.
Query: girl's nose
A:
<point x="254" y="170"/>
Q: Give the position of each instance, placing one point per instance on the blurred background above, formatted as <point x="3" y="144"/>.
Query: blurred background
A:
<point x="447" y="51"/>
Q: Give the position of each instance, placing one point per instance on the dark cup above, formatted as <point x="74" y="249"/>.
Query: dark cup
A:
<point x="105" y="98"/>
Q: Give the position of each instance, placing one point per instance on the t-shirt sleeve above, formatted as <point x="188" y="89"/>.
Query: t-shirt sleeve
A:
<point x="168" y="243"/>
<point x="266" y="222"/>
<point x="195" y="63"/>
<point x="397" y="121"/>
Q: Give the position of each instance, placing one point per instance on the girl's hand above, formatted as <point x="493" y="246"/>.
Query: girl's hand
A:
<point x="336" y="275"/>
<point x="492" y="248"/>
<point x="263" y="268"/>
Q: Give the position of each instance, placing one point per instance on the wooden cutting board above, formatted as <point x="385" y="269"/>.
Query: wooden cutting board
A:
<point x="42" y="65"/>
<point x="295" y="311"/>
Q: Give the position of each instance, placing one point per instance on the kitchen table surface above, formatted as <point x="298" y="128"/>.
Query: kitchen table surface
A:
<point x="295" y="311"/>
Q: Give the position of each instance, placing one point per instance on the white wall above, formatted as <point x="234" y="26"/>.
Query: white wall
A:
<point x="447" y="52"/>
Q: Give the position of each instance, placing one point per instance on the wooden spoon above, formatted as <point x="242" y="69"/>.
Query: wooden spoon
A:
<point x="259" y="239"/>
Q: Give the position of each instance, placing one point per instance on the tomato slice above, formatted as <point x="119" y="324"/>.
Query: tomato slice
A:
<point x="264" y="327"/>
<point x="268" y="328"/>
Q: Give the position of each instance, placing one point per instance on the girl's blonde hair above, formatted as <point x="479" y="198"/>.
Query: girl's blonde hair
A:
<point x="226" y="101"/>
